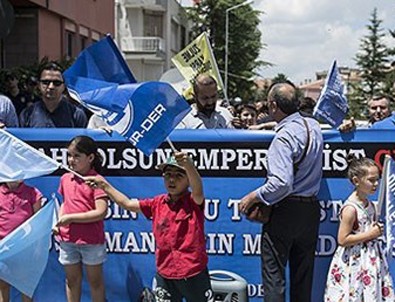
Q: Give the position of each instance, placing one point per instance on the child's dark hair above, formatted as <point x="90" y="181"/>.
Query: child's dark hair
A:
<point x="86" y="145"/>
<point x="357" y="167"/>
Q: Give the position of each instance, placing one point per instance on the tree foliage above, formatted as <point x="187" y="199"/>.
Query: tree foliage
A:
<point x="389" y="83"/>
<point x="244" y="40"/>
<point x="372" y="59"/>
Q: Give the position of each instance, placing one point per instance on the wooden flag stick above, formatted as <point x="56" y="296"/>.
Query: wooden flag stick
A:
<point x="171" y="145"/>
<point x="71" y="171"/>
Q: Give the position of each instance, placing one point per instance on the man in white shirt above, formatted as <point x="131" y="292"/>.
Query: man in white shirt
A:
<point x="205" y="113"/>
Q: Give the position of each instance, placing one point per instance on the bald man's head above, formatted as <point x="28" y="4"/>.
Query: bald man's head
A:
<point x="285" y="96"/>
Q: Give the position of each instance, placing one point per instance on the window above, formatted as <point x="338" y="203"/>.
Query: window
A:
<point x="174" y="37"/>
<point x="153" y="24"/>
<point x="183" y="37"/>
<point x="70" y="36"/>
<point x="84" y="41"/>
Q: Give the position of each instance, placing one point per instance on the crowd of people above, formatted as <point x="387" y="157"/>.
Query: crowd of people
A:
<point x="294" y="172"/>
<point x="44" y="103"/>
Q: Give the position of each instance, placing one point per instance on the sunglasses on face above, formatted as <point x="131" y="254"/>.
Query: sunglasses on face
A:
<point x="56" y="83"/>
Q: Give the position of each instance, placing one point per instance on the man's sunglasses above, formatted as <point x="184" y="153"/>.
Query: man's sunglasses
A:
<point x="56" y="83"/>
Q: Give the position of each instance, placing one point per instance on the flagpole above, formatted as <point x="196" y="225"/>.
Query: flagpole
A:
<point x="382" y="188"/>
<point x="171" y="145"/>
<point x="71" y="171"/>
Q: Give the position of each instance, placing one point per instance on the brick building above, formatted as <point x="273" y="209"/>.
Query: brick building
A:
<point x="54" y="28"/>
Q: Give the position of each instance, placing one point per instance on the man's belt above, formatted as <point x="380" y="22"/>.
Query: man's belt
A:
<point x="304" y="199"/>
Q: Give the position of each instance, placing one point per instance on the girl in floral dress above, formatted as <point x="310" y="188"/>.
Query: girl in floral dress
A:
<point x="359" y="269"/>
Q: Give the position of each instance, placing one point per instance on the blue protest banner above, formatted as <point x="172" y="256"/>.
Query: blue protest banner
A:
<point x="24" y="252"/>
<point x="232" y="163"/>
<point x="332" y="105"/>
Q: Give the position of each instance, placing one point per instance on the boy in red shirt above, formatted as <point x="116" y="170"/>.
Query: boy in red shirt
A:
<point x="178" y="227"/>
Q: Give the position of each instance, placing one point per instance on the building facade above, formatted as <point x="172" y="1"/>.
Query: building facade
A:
<point x="55" y="29"/>
<point x="350" y="76"/>
<point x="150" y="33"/>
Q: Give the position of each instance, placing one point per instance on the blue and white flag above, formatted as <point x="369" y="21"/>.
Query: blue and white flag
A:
<point x="19" y="160"/>
<point x="97" y="76"/>
<point x="332" y="105"/>
<point x="389" y="179"/>
<point x="24" y="252"/>
<point x="144" y="113"/>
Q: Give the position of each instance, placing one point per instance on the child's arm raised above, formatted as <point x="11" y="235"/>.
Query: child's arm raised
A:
<point x="195" y="181"/>
<point x="113" y="194"/>
<point x="345" y="235"/>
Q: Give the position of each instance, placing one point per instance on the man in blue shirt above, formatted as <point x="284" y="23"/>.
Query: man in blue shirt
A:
<point x="294" y="170"/>
<point x="8" y="117"/>
<point x="387" y="123"/>
<point x="54" y="110"/>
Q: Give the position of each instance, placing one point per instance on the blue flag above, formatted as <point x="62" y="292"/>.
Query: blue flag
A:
<point x="332" y="105"/>
<point x="24" y="252"/>
<point x="389" y="190"/>
<point x="144" y="113"/>
<point x="97" y="76"/>
<point x="18" y="160"/>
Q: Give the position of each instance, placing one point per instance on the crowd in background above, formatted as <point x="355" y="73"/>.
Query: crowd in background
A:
<point x="43" y="101"/>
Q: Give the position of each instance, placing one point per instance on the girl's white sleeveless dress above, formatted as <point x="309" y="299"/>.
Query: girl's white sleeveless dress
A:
<point x="360" y="272"/>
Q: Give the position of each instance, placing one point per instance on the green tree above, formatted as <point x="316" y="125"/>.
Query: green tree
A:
<point x="390" y="77"/>
<point x="244" y="41"/>
<point x="280" y="78"/>
<point x="372" y="59"/>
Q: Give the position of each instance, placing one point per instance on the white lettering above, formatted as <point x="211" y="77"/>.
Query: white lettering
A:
<point x="234" y="204"/>
<point x="211" y="209"/>
<point x="252" y="244"/>
<point x="220" y="244"/>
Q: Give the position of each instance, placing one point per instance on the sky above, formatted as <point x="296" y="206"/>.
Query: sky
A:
<point x="305" y="36"/>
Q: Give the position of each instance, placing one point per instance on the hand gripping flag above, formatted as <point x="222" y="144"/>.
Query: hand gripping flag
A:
<point x="18" y="160"/>
<point x="332" y="105"/>
<point x="144" y="113"/>
<point x="197" y="58"/>
<point x="24" y="252"/>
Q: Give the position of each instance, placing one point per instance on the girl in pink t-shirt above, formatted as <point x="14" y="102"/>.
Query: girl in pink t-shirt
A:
<point x="18" y="202"/>
<point x="80" y="228"/>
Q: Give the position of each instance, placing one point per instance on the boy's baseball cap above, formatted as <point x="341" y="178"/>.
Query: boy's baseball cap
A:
<point x="171" y="161"/>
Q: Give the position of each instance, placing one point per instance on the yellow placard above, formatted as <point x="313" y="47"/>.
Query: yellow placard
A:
<point x="197" y="58"/>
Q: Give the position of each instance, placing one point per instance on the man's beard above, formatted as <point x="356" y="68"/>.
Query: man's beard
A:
<point x="206" y="110"/>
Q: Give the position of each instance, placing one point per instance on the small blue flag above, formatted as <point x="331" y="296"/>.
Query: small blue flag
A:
<point x="144" y="113"/>
<point x="332" y="105"/>
<point x="24" y="252"/>
<point x="19" y="161"/>
<point x="389" y="178"/>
